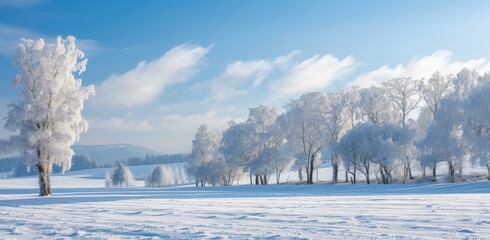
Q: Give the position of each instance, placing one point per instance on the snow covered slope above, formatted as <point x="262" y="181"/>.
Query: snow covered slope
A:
<point x="80" y="209"/>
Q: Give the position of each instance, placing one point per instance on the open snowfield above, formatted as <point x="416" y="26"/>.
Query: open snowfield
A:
<point x="82" y="208"/>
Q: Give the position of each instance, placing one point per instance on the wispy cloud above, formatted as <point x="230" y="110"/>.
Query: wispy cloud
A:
<point x="10" y="37"/>
<point x="237" y="74"/>
<point x="146" y="81"/>
<point x="312" y="74"/>
<point x="421" y="68"/>
<point x="121" y="124"/>
<point x="90" y="46"/>
<point x="242" y="76"/>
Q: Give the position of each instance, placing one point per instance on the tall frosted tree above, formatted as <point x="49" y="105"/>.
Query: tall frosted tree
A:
<point x="204" y="150"/>
<point x="444" y="140"/>
<point x="404" y="93"/>
<point x="477" y="126"/>
<point x="335" y="114"/>
<point x="47" y="117"/>
<point x="434" y="90"/>
<point x="305" y="130"/>
<point x="265" y="137"/>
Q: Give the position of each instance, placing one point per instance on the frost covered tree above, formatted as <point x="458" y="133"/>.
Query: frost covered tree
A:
<point x="266" y="136"/>
<point x="370" y="145"/>
<point x="477" y="125"/>
<point x="281" y="158"/>
<point x="237" y="148"/>
<point x="444" y="140"/>
<point x="243" y="142"/>
<point x="205" y="148"/>
<point x="335" y="115"/>
<point x="404" y="93"/>
<point x="375" y="106"/>
<point x="434" y="90"/>
<point x="163" y="176"/>
<point x="305" y="131"/>
<point x="47" y="116"/>
<point x="352" y="154"/>
<point x="122" y="176"/>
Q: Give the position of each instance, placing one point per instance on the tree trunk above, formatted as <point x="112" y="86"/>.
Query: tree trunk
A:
<point x="383" y="176"/>
<point x="410" y="172"/>
<point x="353" y="179"/>
<point x="310" y="169"/>
<point x="451" y="171"/>
<point x="335" y="174"/>
<point x="300" y="174"/>
<point x="257" y="179"/>
<point x="434" y="172"/>
<point x="366" y="168"/>
<point x="278" y="176"/>
<point x="44" y="181"/>
<point x="335" y="167"/>
<point x="251" y="178"/>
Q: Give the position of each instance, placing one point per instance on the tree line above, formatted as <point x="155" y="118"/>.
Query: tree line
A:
<point x="152" y="160"/>
<point x="369" y="132"/>
<point x="78" y="162"/>
<point x="160" y="176"/>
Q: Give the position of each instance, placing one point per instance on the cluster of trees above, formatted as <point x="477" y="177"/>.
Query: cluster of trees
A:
<point x="153" y="159"/>
<point x="161" y="176"/>
<point x="368" y="132"/>
<point x="9" y="164"/>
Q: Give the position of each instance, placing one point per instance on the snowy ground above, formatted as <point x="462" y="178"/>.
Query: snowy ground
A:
<point x="82" y="208"/>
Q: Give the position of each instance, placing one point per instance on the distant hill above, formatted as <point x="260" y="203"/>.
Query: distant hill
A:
<point x="111" y="153"/>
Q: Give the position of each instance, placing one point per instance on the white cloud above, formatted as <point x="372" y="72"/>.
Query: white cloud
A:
<point x="171" y="133"/>
<point x="10" y="37"/>
<point x="144" y="83"/>
<point x="121" y="124"/>
<point x="284" y="61"/>
<point x="89" y="46"/>
<point x="239" y="75"/>
<point x="421" y="68"/>
<point x="312" y="74"/>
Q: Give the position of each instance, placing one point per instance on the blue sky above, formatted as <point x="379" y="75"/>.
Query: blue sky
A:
<point x="161" y="68"/>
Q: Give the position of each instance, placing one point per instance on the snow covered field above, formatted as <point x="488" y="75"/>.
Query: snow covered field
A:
<point x="82" y="208"/>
